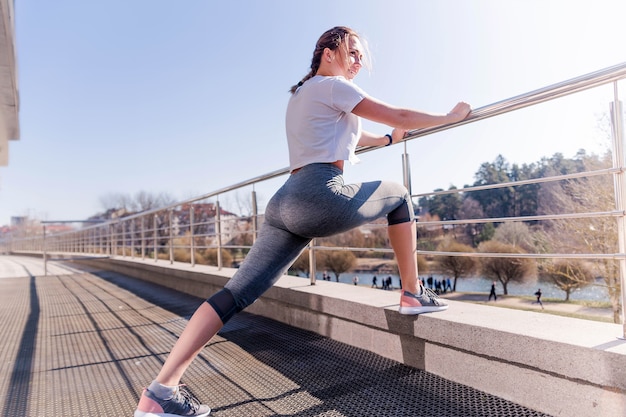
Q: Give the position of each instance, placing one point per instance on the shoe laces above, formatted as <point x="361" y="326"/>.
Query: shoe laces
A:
<point x="185" y="399"/>
<point x="431" y="295"/>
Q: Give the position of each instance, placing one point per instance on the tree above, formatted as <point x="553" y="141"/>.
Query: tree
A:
<point x="524" y="196"/>
<point x="456" y="266"/>
<point x="211" y="257"/>
<point x="353" y="237"/>
<point x="144" y="201"/>
<point x="115" y="201"/>
<point x="445" y="206"/>
<point x="486" y="233"/>
<point x="337" y="261"/>
<point x="182" y="251"/>
<point x="557" y="164"/>
<point x="505" y="269"/>
<point x="302" y="263"/>
<point x="471" y="209"/>
<point x="428" y="234"/>
<point x="422" y="264"/>
<point x="515" y="234"/>
<point x="378" y="238"/>
<point x="122" y="204"/>
<point x="568" y="275"/>
<point x="495" y="202"/>
<point x="586" y="235"/>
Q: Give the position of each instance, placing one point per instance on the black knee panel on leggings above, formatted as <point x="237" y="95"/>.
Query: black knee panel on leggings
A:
<point x="401" y="214"/>
<point x="224" y="305"/>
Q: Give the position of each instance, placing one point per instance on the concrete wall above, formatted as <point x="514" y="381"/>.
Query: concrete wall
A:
<point x="556" y="365"/>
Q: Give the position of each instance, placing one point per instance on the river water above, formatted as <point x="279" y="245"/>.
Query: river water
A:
<point x="596" y="292"/>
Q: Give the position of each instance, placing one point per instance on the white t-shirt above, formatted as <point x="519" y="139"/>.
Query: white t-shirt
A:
<point x="319" y="121"/>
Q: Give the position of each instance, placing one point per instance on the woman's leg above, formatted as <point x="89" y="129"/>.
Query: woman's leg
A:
<point x="403" y="238"/>
<point x="203" y="325"/>
<point x="340" y="207"/>
<point x="415" y="299"/>
<point x="270" y="257"/>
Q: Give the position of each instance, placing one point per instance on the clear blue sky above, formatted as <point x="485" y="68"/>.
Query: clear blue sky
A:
<point x="122" y="96"/>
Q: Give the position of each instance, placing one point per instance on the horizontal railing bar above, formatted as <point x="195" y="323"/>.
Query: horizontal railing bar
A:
<point x="524" y="182"/>
<point x="615" y="213"/>
<point x="483" y="254"/>
<point x="541" y="95"/>
<point x="350" y="249"/>
<point x="527" y="255"/>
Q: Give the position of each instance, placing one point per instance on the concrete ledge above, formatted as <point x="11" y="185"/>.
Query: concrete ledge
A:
<point x="556" y="365"/>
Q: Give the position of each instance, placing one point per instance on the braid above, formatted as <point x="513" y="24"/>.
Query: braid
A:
<point x="306" y="77"/>
<point x="332" y="39"/>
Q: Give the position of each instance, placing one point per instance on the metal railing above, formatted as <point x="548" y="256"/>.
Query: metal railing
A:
<point x="199" y="230"/>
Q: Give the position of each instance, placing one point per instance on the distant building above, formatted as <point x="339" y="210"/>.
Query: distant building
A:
<point x="18" y="221"/>
<point x="9" y="91"/>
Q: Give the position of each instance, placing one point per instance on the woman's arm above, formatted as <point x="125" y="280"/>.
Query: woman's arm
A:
<point x="406" y="119"/>
<point x="371" y="139"/>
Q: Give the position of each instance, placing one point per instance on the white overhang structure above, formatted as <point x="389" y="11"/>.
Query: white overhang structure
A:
<point x="9" y="96"/>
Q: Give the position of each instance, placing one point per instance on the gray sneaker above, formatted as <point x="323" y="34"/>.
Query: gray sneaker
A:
<point x="426" y="302"/>
<point x="181" y="404"/>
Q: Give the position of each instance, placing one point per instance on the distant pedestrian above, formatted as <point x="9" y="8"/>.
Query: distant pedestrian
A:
<point x="493" y="292"/>
<point x="374" y="282"/>
<point x="538" y="295"/>
<point x="389" y="286"/>
<point x="355" y="280"/>
<point x="448" y="284"/>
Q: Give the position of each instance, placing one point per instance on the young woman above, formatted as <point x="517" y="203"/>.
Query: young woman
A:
<point x="323" y="125"/>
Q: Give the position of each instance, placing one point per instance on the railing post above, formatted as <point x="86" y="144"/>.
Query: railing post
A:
<point x="154" y="237"/>
<point x="255" y="216"/>
<point x="45" y="254"/>
<point x="192" y="243"/>
<point x="123" y="239"/>
<point x="116" y="237"/>
<point x="406" y="170"/>
<point x="312" y="262"/>
<point x="218" y="234"/>
<point x="143" y="237"/>
<point x="111" y="243"/>
<point x="132" y="238"/>
<point x="620" y="194"/>
<point x="171" y="235"/>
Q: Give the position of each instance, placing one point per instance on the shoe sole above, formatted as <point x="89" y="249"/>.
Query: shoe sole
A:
<point x="419" y="310"/>
<point x="139" y="413"/>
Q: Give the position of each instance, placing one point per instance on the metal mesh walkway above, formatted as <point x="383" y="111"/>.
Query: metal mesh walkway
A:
<point x="84" y="344"/>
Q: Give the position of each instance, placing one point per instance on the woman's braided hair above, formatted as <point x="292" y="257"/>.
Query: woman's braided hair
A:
<point x="332" y="39"/>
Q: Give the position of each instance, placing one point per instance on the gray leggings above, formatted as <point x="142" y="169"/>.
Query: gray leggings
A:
<point x="313" y="202"/>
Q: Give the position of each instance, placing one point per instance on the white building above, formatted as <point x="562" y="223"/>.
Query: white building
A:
<point x="9" y="97"/>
